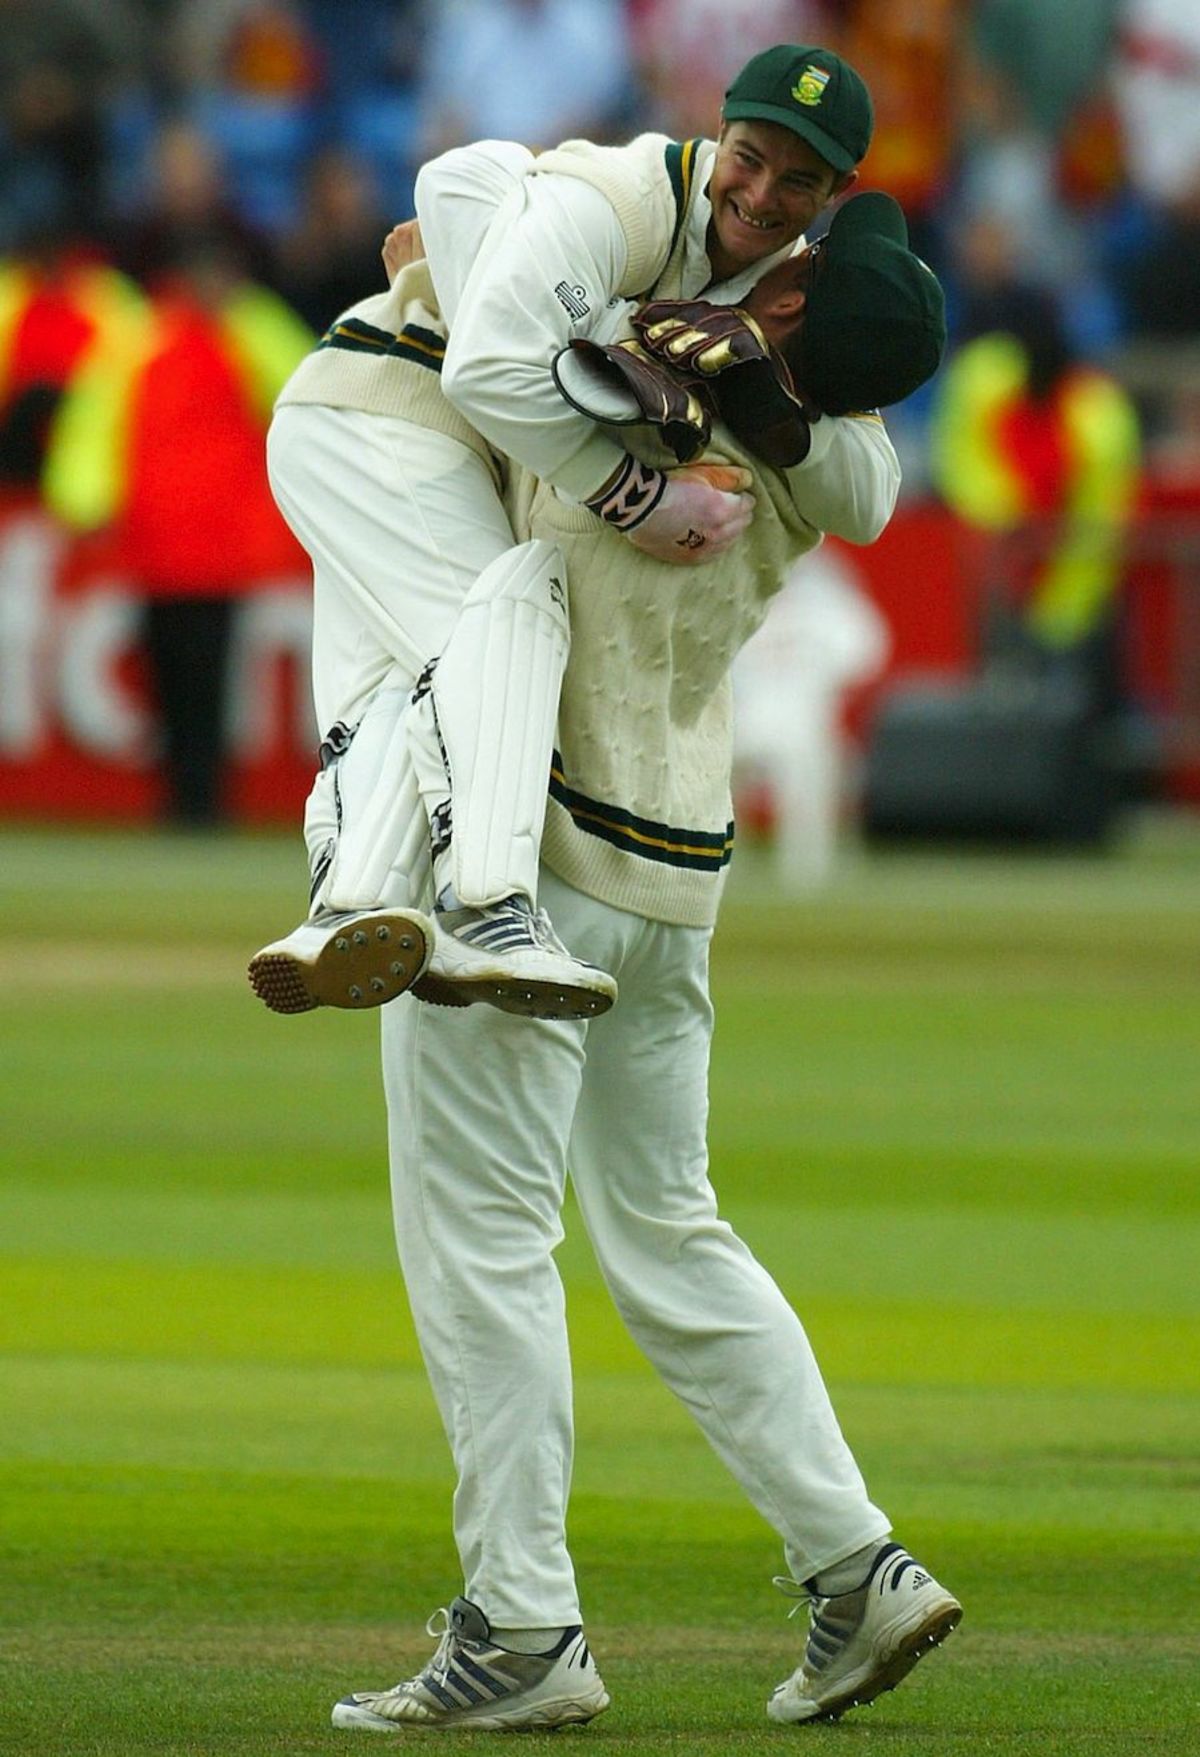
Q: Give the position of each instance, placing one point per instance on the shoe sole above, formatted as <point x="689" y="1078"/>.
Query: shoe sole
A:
<point x="912" y="1648"/>
<point x="545" y="1717"/>
<point x="529" y="1000"/>
<point x="362" y="968"/>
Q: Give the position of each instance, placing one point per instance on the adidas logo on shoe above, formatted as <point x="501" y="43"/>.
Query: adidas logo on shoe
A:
<point x="864" y="1642"/>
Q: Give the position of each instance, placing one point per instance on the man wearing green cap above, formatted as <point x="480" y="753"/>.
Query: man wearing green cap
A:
<point x="486" y="1110"/>
<point x="818" y="120"/>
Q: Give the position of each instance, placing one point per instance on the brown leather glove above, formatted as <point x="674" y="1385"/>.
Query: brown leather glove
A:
<point x="699" y="337"/>
<point x="721" y="350"/>
<point x="623" y="385"/>
<point x="691" y="363"/>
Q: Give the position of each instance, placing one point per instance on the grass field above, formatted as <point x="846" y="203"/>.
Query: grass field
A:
<point x="956" y="1109"/>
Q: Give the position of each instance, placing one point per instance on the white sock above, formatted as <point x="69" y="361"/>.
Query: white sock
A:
<point x="848" y="1574"/>
<point x="528" y="1640"/>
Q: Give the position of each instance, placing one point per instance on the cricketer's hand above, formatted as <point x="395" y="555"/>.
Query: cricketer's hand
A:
<point x="702" y="513"/>
<point x="401" y="247"/>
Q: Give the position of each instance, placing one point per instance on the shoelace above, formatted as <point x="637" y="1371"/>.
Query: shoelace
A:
<point x="547" y="937"/>
<point x="795" y="1589"/>
<point x="438" y="1665"/>
<point x="804" y="1595"/>
<point x="826" y="1634"/>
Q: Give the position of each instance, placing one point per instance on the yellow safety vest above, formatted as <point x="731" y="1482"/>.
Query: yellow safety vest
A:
<point x="85" y="472"/>
<point x="983" y="485"/>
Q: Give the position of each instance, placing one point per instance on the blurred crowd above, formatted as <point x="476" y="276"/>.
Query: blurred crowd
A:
<point x="193" y="189"/>
<point x="1043" y="151"/>
<point x="1036" y="142"/>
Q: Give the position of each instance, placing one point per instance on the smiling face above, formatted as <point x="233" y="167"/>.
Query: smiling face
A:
<point x="767" y="187"/>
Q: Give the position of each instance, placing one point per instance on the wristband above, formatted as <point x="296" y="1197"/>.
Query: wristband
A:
<point x="630" y="496"/>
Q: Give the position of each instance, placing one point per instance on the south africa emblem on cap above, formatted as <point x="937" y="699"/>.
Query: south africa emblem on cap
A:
<point x="810" y="87"/>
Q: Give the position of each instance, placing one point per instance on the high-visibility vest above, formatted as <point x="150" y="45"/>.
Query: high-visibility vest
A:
<point x="161" y="437"/>
<point x="1002" y="460"/>
<point x="52" y="323"/>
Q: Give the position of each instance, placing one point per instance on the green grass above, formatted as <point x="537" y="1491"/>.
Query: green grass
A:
<point x="956" y="1110"/>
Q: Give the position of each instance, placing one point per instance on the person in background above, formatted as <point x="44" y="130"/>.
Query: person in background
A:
<point x="60" y="63"/>
<point x="1032" y="113"/>
<point x="185" y="202"/>
<point x="534" y="71"/>
<point x="683" y="50"/>
<point x="61" y="305"/>
<point x="822" y="636"/>
<point x="161" y="439"/>
<point x="1040" y="451"/>
<point x="1156" y="81"/>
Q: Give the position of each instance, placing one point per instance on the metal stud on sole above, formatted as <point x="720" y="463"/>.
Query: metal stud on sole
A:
<point x="527" y="1000"/>
<point x="277" y="982"/>
<point x="898" y="1667"/>
<point x="363" y="967"/>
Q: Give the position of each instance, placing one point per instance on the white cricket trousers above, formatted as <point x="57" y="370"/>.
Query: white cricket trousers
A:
<point x="486" y="1113"/>
<point x="399" y="521"/>
<point x="414" y="560"/>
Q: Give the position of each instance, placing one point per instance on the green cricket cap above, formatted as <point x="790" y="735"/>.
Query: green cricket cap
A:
<point x="875" y="317"/>
<point x="811" y="91"/>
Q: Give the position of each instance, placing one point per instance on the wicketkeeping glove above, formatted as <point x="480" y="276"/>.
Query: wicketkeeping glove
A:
<point x="724" y="356"/>
<point x="623" y="386"/>
<point x="690" y="363"/>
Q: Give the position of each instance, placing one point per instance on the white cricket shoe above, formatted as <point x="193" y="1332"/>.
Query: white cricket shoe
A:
<point x="348" y="958"/>
<point x="473" y="1684"/>
<point x="864" y="1642"/>
<point x="509" y="955"/>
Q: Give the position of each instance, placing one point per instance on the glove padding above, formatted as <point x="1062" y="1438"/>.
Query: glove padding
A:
<point x="724" y="357"/>
<point x="700" y="337"/>
<point x="701" y="513"/>
<point x="623" y="386"/>
<point x="690" y="364"/>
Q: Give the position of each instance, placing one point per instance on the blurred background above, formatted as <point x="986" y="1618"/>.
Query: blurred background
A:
<point x="190" y="192"/>
<point x="954" y="1101"/>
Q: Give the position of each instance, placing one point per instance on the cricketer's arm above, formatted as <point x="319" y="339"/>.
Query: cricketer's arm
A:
<point x="494" y="241"/>
<point x="544" y="266"/>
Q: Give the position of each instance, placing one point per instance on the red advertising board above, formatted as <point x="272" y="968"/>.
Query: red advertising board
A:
<point x="78" y="730"/>
<point x="77" y="724"/>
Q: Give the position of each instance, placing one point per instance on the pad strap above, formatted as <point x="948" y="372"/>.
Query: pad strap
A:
<point x="374" y="847"/>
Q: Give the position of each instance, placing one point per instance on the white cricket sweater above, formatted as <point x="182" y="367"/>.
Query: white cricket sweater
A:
<point x="385" y="356"/>
<point x="640" y="812"/>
